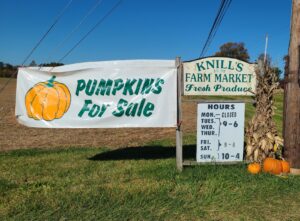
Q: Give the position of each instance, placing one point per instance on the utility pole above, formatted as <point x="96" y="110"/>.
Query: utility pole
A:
<point x="291" y="123"/>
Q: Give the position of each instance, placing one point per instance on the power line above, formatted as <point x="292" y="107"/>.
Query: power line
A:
<point x="224" y="5"/>
<point x="48" y="31"/>
<point x="227" y="4"/>
<point x="213" y="27"/>
<point x="92" y="9"/>
<point x="38" y="43"/>
<point x="91" y="30"/>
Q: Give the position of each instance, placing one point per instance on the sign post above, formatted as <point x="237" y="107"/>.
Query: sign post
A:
<point x="179" y="152"/>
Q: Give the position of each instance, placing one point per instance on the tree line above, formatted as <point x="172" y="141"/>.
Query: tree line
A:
<point x="229" y="49"/>
<point x="239" y="51"/>
<point x="8" y="70"/>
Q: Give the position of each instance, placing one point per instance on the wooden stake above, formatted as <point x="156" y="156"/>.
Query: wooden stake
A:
<point x="292" y="94"/>
<point x="179" y="154"/>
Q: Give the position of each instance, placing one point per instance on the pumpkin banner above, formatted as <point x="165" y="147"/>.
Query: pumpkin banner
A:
<point x="110" y="94"/>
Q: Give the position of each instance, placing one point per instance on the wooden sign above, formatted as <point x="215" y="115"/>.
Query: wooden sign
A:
<point x="219" y="76"/>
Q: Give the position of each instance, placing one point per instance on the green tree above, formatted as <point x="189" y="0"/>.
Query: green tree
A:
<point x="286" y="65"/>
<point x="234" y="50"/>
<point x="51" y="64"/>
<point x="268" y="62"/>
<point x="7" y="70"/>
<point x="278" y="72"/>
<point x="33" y="63"/>
<point x="261" y="58"/>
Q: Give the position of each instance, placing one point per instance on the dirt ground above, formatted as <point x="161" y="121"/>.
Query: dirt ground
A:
<point x="16" y="136"/>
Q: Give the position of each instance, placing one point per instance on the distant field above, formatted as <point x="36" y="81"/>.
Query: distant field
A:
<point x="117" y="174"/>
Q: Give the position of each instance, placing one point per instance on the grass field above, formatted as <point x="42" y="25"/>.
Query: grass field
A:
<point x="138" y="181"/>
<point x="136" y="184"/>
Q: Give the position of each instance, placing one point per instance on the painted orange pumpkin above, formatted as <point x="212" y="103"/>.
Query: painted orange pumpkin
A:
<point x="272" y="166"/>
<point x="47" y="100"/>
<point x="254" y="168"/>
<point x="285" y="166"/>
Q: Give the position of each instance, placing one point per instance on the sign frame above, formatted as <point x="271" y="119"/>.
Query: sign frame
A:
<point x="180" y="162"/>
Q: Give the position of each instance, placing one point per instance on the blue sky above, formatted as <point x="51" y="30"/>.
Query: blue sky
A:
<point x="141" y="29"/>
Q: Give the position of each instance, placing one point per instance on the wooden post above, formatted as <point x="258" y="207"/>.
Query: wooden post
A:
<point x="292" y="95"/>
<point x="179" y="153"/>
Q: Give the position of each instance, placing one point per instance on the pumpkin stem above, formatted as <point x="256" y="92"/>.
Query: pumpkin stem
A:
<point x="50" y="82"/>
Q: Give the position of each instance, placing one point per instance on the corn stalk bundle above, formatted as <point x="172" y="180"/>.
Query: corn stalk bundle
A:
<point x="262" y="139"/>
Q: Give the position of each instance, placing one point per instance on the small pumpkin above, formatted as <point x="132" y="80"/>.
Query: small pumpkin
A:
<point x="272" y="166"/>
<point x="285" y="166"/>
<point x="47" y="100"/>
<point x="254" y="168"/>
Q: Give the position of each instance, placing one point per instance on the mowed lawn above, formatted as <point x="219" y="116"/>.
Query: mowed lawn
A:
<point x="139" y="183"/>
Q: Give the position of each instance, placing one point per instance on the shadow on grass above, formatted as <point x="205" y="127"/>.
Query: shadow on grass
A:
<point x="145" y="153"/>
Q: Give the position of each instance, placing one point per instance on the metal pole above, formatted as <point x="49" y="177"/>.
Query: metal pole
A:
<point x="266" y="47"/>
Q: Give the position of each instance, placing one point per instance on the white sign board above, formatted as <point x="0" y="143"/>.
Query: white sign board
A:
<point x="220" y="132"/>
<point x="219" y="76"/>
<point x="110" y="94"/>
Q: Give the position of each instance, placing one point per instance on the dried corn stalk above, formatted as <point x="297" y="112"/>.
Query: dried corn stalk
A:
<point x="262" y="139"/>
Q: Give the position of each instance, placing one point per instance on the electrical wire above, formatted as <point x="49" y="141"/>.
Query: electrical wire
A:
<point x="48" y="31"/>
<point x="213" y="27"/>
<point x="92" y="9"/>
<point x="90" y="31"/>
<point x="38" y="43"/>
<point x="227" y="4"/>
<point x="224" y="5"/>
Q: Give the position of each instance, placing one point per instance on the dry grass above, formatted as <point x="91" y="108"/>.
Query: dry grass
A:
<point x="16" y="136"/>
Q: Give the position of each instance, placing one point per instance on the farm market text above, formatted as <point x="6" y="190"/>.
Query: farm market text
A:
<point x="219" y="76"/>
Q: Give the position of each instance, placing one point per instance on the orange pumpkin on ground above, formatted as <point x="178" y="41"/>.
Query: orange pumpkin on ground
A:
<point x="254" y="168"/>
<point x="272" y="166"/>
<point x="285" y="166"/>
<point x="47" y="100"/>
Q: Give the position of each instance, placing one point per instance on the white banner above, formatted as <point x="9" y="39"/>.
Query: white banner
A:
<point x="109" y="94"/>
<point x="219" y="76"/>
